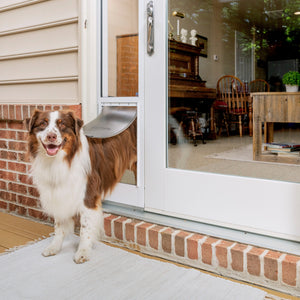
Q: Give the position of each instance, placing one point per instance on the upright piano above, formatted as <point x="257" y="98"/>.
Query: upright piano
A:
<point x="186" y="88"/>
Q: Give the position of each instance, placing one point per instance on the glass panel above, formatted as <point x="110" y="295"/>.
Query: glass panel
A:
<point x="221" y="51"/>
<point x="122" y="48"/>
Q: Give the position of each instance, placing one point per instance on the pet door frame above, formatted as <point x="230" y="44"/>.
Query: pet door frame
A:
<point x="94" y="87"/>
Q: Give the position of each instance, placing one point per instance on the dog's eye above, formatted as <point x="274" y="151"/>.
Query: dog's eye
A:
<point x="61" y="124"/>
<point x="43" y="124"/>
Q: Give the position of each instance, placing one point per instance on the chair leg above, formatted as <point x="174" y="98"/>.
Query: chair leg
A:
<point x="240" y="126"/>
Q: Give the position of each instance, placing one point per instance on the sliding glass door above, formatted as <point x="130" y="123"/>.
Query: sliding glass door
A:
<point x="209" y="56"/>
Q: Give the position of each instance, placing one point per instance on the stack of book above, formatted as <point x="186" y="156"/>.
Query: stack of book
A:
<point x="286" y="149"/>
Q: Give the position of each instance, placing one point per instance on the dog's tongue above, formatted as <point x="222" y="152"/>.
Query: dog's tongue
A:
<point x="52" y="149"/>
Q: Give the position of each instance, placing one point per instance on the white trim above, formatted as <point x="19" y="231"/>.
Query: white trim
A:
<point x="89" y="27"/>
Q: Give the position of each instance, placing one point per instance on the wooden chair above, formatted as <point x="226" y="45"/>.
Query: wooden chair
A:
<point x="233" y="101"/>
<point x="259" y="85"/>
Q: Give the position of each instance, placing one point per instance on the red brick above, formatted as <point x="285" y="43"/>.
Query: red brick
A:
<point x="17" y="146"/>
<point x="8" y="196"/>
<point x="253" y="261"/>
<point x="22" y="136"/>
<point x="166" y="240"/>
<point x="206" y="250"/>
<point x="16" y="125"/>
<point x="237" y="255"/>
<point x="180" y="243"/>
<point x="129" y="230"/>
<point x="141" y="232"/>
<point x="27" y="201"/>
<point x="192" y="246"/>
<point x="18" y="209"/>
<point x="3" y="185"/>
<point x="153" y="236"/>
<point x="33" y="192"/>
<point x="18" y="112"/>
<point x="77" y="110"/>
<point x="118" y="227"/>
<point x="26" y="113"/>
<point x="17" y="188"/>
<point x="32" y="108"/>
<point x="3" y="144"/>
<point x="8" y="176"/>
<point x="5" y="111"/>
<point x="11" y="109"/>
<point x="17" y="167"/>
<point x="37" y="214"/>
<point x="8" y="134"/>
<point x="222" y="252"/>
<point x="23" y="178"/>
<point x="3" y="124"/>
<point x="3" y="164"/>
<point x="107" y="224"/>
<point x="3" y="205"/>
<point x="289" y="269"/>
<point x="271" y="265"/>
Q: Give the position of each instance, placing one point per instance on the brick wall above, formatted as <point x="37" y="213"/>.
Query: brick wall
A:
<point x="272" y="269"/>
<point x="17" y="192"/>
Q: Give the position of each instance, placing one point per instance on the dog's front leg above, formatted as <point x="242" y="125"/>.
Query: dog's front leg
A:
<point x="91" y="227"/>
<point x="60" y="231"/>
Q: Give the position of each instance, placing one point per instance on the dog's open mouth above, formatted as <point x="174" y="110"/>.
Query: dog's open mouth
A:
<point x="51" y="149"/>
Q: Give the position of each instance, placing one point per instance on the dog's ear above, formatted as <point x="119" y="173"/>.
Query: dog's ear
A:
<point x="29" y="122"/>
<point x="78" y="123"/>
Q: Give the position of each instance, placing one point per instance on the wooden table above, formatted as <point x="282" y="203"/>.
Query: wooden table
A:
<point x="269" y="108"/>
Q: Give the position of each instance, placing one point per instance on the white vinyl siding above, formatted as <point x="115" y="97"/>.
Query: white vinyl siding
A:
<point x="39" y="46"/>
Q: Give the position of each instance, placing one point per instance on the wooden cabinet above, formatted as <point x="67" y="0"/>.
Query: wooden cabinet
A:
<point x="270" y="108"/>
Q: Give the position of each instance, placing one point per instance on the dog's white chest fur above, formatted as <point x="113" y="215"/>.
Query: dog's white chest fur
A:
<point x="62" y="186"/>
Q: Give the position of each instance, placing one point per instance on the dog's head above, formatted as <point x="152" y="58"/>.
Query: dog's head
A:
<point x="53" y="131"/>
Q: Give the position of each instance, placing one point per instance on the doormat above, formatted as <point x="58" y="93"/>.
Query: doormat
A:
<point x="112" y="273"/>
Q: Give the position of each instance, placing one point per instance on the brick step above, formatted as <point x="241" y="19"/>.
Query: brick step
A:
<point x="271" y="269"/>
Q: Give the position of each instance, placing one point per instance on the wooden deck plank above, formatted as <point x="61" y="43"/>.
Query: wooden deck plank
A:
<point x="24" y="225"/>
<point x="9" y="240"/>
<point x="16" y="231"/>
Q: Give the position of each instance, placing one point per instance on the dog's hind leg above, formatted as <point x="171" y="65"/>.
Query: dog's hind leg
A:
<point x="61" y="230"/>
<point x="91" y="220"/>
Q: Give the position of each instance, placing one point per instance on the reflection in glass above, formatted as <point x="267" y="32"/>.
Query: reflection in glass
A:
<point x="221" y="51"/>
<point x="122" y="48"/>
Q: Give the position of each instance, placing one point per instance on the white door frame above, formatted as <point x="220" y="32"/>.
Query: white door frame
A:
<point x="250" y="204"/>
<point x="92" y="68"/>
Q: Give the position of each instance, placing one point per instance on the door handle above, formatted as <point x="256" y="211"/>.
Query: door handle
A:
<point x="150" y="29"/>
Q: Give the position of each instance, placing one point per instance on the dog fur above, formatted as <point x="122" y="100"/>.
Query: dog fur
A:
<point x="73" y="173"/>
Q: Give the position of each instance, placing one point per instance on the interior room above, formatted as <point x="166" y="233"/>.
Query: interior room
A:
<point x="253" y="43"/>
<point x="246" y="40"/>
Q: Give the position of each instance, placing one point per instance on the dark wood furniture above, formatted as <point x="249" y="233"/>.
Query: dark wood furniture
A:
<point x="186" y="88"/>
<point x="235" y="104"/>
<point x="270" y="108"/>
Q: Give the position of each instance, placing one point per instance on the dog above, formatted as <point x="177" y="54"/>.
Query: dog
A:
<point x="73" y="173"/>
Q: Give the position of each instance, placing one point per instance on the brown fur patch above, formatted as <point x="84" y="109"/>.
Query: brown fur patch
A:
<point x="109" y="159"/>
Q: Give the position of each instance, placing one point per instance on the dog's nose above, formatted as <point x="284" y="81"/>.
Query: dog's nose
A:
<point x="51" y="137"/>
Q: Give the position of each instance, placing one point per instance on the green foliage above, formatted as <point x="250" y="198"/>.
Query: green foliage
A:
<point x="291" y="78"/>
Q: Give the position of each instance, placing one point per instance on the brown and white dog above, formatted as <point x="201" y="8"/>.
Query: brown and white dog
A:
<point x="73" y="173"/>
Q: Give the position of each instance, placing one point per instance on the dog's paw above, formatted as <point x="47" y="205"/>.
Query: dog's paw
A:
<point x="81" y="256"/>
<point x="50" y="251"/>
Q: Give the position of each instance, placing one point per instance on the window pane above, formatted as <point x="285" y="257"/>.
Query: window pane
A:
<point x="220" y="52"/>
<point x="122" y="48"/>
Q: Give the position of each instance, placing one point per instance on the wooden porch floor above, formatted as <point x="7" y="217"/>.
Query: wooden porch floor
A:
<point x="16" y="231"/>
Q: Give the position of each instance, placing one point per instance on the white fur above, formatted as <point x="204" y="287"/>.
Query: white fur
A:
<point x="62" y="190"/>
